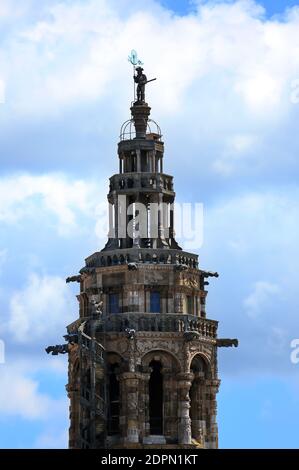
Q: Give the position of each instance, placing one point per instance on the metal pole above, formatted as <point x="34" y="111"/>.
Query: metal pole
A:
<point x="134" y="83"/>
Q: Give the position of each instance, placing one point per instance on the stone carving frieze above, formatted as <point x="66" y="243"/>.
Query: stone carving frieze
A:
<point x="149" y="344"/>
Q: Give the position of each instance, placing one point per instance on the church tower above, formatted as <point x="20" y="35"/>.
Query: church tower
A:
<point x="142" y="354"/>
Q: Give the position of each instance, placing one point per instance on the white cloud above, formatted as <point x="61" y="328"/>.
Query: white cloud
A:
<point x="20" y="396"/>
<point x="29" y="196"/>
<point x="255" y="226"/>
<point x="78" y="54"/>
<point x="10" y="9"/>
<point x="239" y="153"/>
<point x="41" y="309"/>
<point x="251" y="239"/>
<point x="262" y="294"/>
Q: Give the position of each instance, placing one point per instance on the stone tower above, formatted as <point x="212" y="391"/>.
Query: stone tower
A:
<point x="142" y="354"/>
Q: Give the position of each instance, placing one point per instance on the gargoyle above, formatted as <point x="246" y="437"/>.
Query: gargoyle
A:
<point x="132" y="266"/>
<point x="209" y="274"/>
<point x="227" y="343"/>
<point x="73" y="279"/>
<point x="130" y="333"/>
<point x="180" y="267"/>
<point x="58" y="349"/>
<point x="71" y="338"/>
<point x="191" y="335"/>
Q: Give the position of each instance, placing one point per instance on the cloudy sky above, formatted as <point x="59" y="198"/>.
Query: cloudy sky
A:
<point x="227" y="100"/>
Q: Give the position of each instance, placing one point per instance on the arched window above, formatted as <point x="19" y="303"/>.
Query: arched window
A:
<point x="113" y="303"/>
<point x="156" y="398"/>
<point x="155" y="302"/>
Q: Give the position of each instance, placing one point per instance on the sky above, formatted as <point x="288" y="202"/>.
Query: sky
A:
<point x="227" y="101"/>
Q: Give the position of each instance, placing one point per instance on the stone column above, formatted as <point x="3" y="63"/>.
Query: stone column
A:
<point x="130" y="381"/>
<point x="115" y="205"/>
<point x="141" y="299"/>
<point x="125" y="299"/>
<point x="170" y="300"/>
<point x="111" y="233"/>
<point x="198" y="422"/>
<point x="184" y="422"/>
<point x="170" y="404"/>
<point x="161" y="217"/>
<point x="144" y="403"/>
<point x="74" y="412"/>
<point x="100" y="422"/>
<point x="203" y="295"/>
<point x="212" y="431"/>
<point x="148" y="234"/>
<point x="165" y="220"/>
<point x="138" y="156"/>
<point x="179" y="302"/>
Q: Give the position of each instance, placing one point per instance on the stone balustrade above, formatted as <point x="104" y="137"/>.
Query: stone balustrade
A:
<point x="143" y="256"/>
<point x="139" y="181"/>
<point x="159" y="322"/>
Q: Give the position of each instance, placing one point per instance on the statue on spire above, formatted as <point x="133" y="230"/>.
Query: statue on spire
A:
<point x="141" y="81"/>
<point x="140" y="78"/>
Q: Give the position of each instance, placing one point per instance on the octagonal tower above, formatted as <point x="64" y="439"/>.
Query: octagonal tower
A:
<point x="142" y="354"/>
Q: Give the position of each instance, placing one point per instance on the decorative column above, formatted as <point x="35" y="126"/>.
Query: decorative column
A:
<point x="170" y="404"/>
<point x="130" y="384"/>
<point x="184" y="422"/>
<point x="203" y="295"/>
<point x="152" y="161"/>
<point x="198" y="422"/>
<point x="161" y="217"/>
<point x="144" y="402"/>
<point x="212" y="430"/>
<point x="111" y="233"/>
<point x="179" y="302"/>
<point x="138" y="156"/>
<point x="170" y="300"/>
<point x="73" y="390"/>
<point x="165" y="219"/>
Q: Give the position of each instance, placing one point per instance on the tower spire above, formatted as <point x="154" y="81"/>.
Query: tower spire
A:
<point x="141" y="195"/>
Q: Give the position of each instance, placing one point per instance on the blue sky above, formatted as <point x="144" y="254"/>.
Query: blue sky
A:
<point x="227" y="100"/>
<point x="183" y="7"/>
